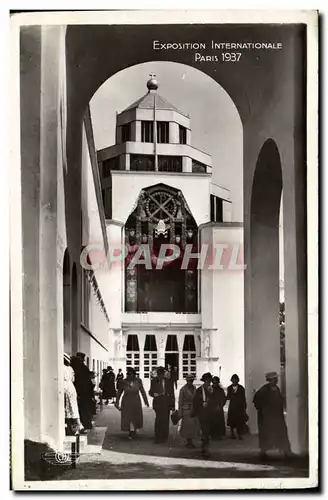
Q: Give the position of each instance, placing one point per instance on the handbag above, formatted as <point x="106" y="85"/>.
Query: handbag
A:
<point x="175" y="417"/>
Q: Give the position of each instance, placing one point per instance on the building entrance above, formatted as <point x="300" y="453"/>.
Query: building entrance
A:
<point x="172" y="359"/>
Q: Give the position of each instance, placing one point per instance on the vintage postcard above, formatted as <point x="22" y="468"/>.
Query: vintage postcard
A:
<point x="164" y="250"/>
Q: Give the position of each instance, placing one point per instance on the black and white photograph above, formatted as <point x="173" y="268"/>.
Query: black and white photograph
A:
<point x="164" y="250"/>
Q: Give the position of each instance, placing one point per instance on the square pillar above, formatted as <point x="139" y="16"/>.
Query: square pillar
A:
<point x="186" y="164"/>
<point x="173" y="133"/>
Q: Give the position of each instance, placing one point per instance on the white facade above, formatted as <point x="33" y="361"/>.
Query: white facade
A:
<point x="217" y="326"/>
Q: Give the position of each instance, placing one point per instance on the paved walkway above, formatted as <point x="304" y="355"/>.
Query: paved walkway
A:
<point x="119" y="457"/>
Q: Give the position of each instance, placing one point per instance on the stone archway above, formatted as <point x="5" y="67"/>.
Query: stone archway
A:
<point x="67" y="303"/>
<point x="74" y="310"/>
<point x="262" y="342"/>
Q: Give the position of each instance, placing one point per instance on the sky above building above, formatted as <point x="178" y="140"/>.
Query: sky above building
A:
<point x="215" y="123"/>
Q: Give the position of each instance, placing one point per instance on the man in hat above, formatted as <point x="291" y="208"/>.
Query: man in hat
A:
<point x="161" y="389"/>
<point x="84" y="389"/>
<point x="270" y="415"/>
<point x="203" y="410"/>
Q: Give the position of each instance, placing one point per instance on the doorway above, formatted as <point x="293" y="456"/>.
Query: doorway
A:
<point x="172" y="359"/>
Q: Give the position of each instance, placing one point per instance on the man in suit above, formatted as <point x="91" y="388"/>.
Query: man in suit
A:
<point x="161" y="389"/>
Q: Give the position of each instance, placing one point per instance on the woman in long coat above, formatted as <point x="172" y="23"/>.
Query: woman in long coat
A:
<point x="237" y="407"/>
<point x="111" y="391"/>
<point x="131" y="410"/>
<point x="271" y="421"/>
<point x="189" y="425"/>
<point x="218" y="401"/>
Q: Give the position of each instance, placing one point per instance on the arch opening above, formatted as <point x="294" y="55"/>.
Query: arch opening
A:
<point x="67" y="303"/>
<point x="263" y="345"/>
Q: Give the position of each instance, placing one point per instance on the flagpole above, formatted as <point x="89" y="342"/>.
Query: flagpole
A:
<point x="155" y="132"/>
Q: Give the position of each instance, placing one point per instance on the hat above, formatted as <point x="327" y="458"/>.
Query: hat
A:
<point x="160" y="369"/>
<point x="67" y="357"/>
<point x="80" y="355"/>
<point x="109" y="368"/>
<point x="271" y="375"/>
<point x="206" y="376"/>
<point x="234" y="376"/>
<point x="130" y="369"/>
<point x="190" y="377"/>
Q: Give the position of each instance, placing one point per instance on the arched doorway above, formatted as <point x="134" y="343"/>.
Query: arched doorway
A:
<point x="67" y="303"/>
<point x="74" y="299"/>
<point x="262" y="342"/>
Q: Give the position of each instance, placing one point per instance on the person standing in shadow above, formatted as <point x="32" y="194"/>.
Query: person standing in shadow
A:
<point x="237" y="407"/>
<point x="161" y="389"/>
<point x="270" y="414"/>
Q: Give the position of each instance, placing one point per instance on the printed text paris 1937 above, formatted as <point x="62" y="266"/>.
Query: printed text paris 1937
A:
<point x="226" y="51"/>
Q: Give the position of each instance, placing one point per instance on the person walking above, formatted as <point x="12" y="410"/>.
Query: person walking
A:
<point x="84" y="389"/>
<point x="119" y="379"/>
<point x="161" y="389"/>
<point x="217" y="403"/>
<point x="111" y="384"/>
<point x="131" y="410"/>
<point x="105" y="386"/>
<point x="72" y="416"/>
<point x="269" y="404"/>
<point x="189" y="425"/>
<point x="203" y="410"/>
<point x="237" y="407"/>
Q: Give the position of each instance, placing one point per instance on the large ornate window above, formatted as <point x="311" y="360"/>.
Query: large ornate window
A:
<point x="161" y="217"/>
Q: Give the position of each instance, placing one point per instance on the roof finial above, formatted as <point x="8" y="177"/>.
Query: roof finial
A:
<point x="152" y="84"/>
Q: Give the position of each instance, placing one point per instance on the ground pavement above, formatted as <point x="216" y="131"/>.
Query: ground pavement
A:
<point x="112" y="455"/>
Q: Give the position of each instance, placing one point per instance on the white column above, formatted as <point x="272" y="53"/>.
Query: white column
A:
<point x="141" y="340"/>
<point x="137" y="137"/>
<point x="173" y="133"/>
<point x="180" y="338"/>
<point x="51" y="334"/>
<point x="161" y="343"/>
<point x="186" y="164"/>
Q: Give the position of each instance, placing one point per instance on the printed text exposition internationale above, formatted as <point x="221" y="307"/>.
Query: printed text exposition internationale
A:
<point x="158" y="45"/>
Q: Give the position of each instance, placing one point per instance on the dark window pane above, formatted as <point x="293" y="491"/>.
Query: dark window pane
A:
<point x="132" y="344"/>
<point x="172" y="343"/>
<point x="147" y="131"/>
<point x="140" y="163"/>
<point x="182" y="135"/>
<point x="163" y="132"/>
<point x="189" y="343"/>
<point x="198" y="167"/>
<point x="170" y="163"/>
<point x="126" y="132"/>
<point x="150" y="343"/>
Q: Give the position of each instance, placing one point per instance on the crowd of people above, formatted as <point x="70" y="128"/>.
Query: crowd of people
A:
<point x="200" y="411"/>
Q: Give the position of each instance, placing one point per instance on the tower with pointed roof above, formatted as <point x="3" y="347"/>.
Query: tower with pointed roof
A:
<point x="153" y="135"/>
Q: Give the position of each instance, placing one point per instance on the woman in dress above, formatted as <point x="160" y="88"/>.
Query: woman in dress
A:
<point x="72" y="416"/>
<point x="237" y="407"/>
<point x="202" y="409"/>
<point x="189" y="425"/>
<point x="131" y="410"/>
<point x="217" y="402"/>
